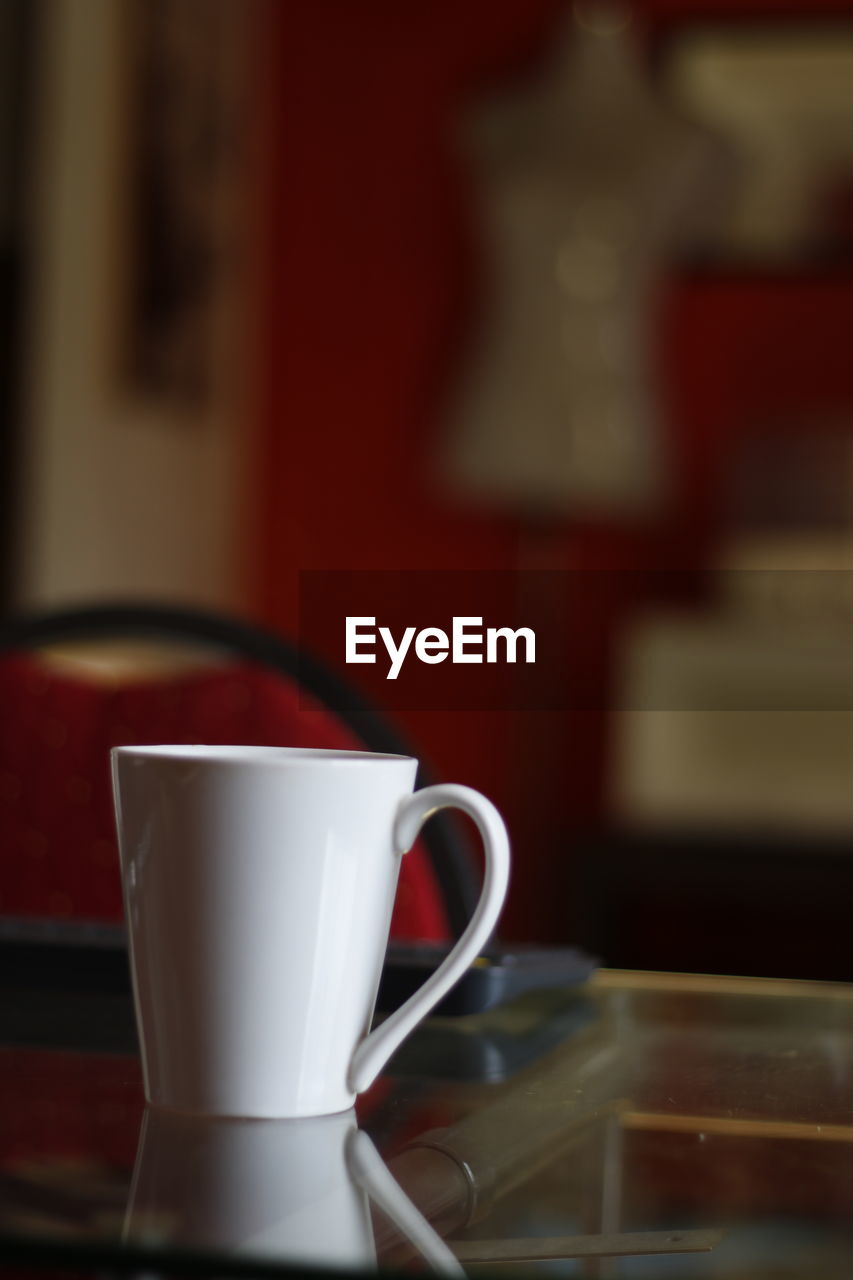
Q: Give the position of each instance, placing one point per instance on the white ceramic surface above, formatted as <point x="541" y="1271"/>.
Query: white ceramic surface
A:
<point x="259" y="884"/>
<point x="288" y="1191"/>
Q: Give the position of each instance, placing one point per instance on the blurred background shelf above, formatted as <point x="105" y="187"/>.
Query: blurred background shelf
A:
<point x="768" y="904"/>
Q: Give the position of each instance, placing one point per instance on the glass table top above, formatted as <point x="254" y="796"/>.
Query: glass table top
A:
<point x="637" y="1125"/>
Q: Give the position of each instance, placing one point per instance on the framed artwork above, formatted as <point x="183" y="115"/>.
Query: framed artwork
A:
<point x="135" y="431"/>
<point x="781" y="95"/>
<point x="183" y="133"/>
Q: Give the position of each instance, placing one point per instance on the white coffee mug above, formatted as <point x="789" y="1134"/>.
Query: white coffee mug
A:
<point x="258" y="886"/>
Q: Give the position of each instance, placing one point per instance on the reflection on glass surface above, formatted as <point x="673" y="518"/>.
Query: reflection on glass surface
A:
<point x="644" y="1125"/>
<point x="295" y="1189"/>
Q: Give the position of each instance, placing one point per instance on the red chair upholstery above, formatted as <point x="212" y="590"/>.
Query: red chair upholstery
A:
<point x="58" y="844"/>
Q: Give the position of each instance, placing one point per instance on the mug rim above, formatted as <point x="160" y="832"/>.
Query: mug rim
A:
<point x="243" y="753"/>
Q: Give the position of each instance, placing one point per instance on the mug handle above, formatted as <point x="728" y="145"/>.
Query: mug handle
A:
<point x="374" y="1051"/>
<point x="372" y="1174"/>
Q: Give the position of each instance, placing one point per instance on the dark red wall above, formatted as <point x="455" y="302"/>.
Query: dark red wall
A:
<point x="370" y="275"/>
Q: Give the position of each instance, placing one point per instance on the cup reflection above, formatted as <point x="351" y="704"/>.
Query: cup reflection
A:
<point x="283" y="1190"/>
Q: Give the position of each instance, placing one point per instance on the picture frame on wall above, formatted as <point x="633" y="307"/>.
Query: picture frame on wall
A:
<point x="183" y="160"/>
<point x="137" y="350"/>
